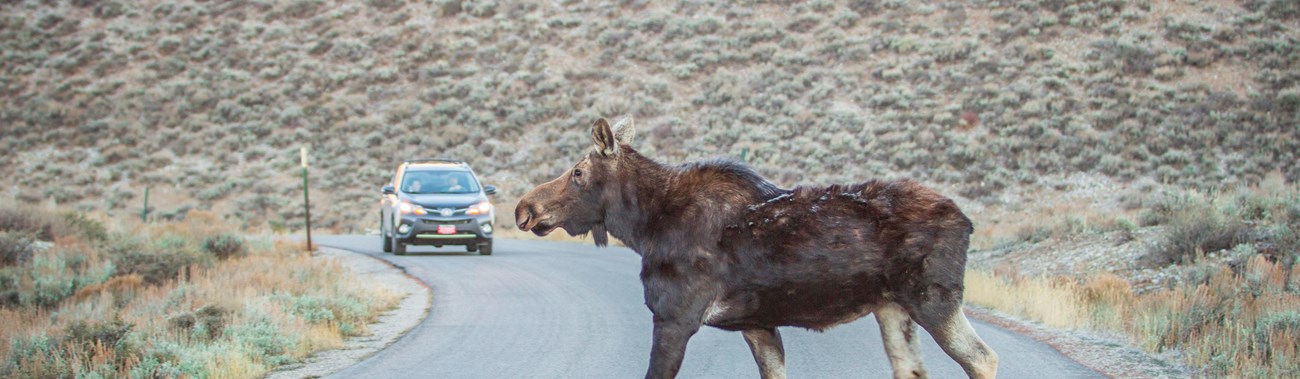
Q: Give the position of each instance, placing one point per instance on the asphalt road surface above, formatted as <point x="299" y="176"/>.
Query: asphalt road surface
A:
<point x="537" y="309"/>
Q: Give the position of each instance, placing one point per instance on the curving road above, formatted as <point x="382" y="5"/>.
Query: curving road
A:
<point x="540" y="309"/>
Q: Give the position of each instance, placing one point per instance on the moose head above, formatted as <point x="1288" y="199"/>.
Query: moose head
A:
<point x="578" y="200"/>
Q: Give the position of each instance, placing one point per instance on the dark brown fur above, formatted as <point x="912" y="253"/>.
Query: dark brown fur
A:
<point x="721" y="246"/>
<point x="813" y="255"/>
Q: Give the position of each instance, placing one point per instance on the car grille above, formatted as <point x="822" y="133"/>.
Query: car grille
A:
<point x="447" y="222"/>
<point x="437" y="211"/>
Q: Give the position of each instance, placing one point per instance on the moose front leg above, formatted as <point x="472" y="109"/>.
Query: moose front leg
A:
<point x="669" y="348"/>
<point x="678" y="297"/>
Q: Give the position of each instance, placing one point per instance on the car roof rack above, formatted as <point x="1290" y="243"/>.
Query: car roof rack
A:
<point x="437" y="160"/>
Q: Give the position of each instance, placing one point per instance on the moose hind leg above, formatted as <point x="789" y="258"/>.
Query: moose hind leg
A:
<point x="768" y="351"/>
<point x="899" y="333"/>
<point x="945" y="321"/>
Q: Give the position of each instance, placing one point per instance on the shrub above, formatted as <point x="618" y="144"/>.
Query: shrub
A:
<point x="1189" y="236"/>
<point x="88" y="334"/>
<point x="35" y="357"/>
<point x="262" y="337"/>
<point x="52" y="275"/>
<point x="345" y="313"/>
<point x="24" y="220"/>
<point x="1194" y="229"/>
<point x="91" y="229"/>
<point x="15" y="249"/>
<point x="155" y="261"/>
<point x="1129" y="56"/>
<point x="1282" y="9"/>
<point x="481" y="8"/>
<point x="209" y="321"/>
<point x="216" y="191"/>
<point x="225" y="246"/>
<point x="303" y="8"/>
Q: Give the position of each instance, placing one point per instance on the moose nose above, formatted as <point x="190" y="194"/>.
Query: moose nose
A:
<point x="523" y="222"/>
<point x="522" y="216"/>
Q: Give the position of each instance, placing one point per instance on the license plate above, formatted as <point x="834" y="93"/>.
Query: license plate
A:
<point x="446" y="229"/>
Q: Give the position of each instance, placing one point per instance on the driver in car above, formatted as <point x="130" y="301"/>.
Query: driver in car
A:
<point x="455" y="185"/>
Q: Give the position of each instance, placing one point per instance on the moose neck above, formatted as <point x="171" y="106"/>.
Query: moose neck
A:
<point x="642" y="185"/>
<point x="688" y="203"/>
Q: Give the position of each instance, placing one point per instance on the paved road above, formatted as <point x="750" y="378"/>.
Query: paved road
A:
<point x="558" y="310"/>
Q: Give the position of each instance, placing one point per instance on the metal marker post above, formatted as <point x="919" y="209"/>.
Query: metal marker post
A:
<point x="144" y="212"/>
<point x="306" y="201"/>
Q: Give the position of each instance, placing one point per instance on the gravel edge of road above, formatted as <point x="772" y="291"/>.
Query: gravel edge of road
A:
<point x="1103" y="354"/>
<point x="410" y="311"/>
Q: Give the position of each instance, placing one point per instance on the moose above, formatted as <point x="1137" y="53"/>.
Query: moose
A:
<point x="724" y="247"/>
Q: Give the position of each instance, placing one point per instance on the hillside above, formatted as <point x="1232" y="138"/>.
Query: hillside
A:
<point x="206" y="103"/>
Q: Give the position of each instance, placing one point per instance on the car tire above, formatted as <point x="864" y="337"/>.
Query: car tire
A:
<point x="485" y="249"/>
<point x="399" y="248"/>
<point x="388" y="239"/>
<point x="471" y="248"/>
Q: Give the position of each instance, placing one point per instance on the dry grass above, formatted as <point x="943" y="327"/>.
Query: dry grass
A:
<point x="232" y="318"/>
<point x="1234" y="324"/>
<point x="1239" y="319"/>
<point x="1041" y="299"/>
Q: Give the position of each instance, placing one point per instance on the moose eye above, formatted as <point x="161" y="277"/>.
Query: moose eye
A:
<point x="577" y="173"/>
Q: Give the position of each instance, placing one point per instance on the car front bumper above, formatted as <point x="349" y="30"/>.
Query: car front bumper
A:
<point x="423" y="230"/>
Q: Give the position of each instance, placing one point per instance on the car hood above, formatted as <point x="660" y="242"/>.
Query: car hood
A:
<point x="446" y="200"/>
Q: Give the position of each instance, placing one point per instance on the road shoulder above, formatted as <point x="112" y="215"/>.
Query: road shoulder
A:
<point x="1104" y="354"/>
<point x="414" y="307"/>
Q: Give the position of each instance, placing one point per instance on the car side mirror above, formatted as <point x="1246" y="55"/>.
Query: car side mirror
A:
<point x="388" y="190"/>
<point x="490" y="190"/>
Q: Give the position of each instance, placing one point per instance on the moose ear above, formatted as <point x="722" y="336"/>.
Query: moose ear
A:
<point x="606" y="143"/>
<point x="625" y="130"/>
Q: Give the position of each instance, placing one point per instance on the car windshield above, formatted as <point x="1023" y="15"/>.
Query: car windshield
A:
<point x="425" y="182"/>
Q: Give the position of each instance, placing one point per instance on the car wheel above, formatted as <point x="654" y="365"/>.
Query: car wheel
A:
<point x="485" y="249"/>
<point x="388" y="239"/>
<point x="399" y="248"/>
<point x="471" y="248"/>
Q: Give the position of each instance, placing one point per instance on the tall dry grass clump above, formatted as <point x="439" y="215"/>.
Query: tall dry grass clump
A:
<point x="187" y="298"/>
<point x="1048" y="301"/>
<point x="1244" y="324"/>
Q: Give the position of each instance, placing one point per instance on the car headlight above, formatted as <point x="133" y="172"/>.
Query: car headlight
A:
<point x="480" y="208"/>
<point x="408" y="208"/>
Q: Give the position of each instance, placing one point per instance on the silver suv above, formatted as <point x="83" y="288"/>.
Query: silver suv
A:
<point x="436" y="202"/>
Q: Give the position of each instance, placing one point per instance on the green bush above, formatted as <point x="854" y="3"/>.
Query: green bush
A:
<point x="35" y="357"/>
<point x="263" y="338"/>
<point x="92" y="230"/>
<point x="156" y="261"/>
<point x="345" y="312"/>
<point x="209" y="321"/>
<point x="42" y="356"/>
<point x="1194" y="231"/>
<point x="48" y="277"/>
<point x="225" y="246"/>
<point x="87" y="334"/>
